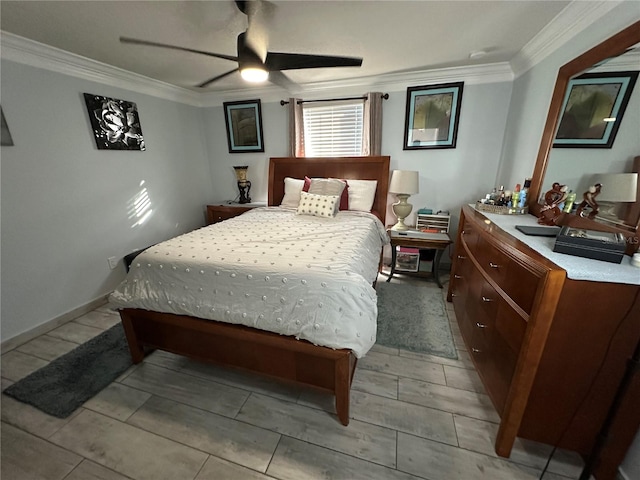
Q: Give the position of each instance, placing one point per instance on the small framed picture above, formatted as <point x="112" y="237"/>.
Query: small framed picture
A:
<point x="432" y="116"/>
<point x="6" y="140"/>
<point x="592" y="110"/>
<point x="244" y="126"/>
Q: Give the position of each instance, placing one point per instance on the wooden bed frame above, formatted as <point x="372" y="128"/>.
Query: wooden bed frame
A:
<point x="259" y="351"/>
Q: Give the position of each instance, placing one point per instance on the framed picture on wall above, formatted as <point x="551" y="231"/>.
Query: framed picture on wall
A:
<point x="243" y="121"/>
<point x="592" y="110"/>
<point x="5" y="138"/>
<point x="432" y="116"/>
<point x="115" y="123"/>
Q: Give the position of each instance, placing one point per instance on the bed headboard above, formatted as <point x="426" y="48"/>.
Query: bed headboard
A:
<point x="362" y="168"/>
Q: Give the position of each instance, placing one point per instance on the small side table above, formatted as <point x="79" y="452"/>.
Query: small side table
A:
<point x="435" y="241"/>
<point x="223" y="211"/>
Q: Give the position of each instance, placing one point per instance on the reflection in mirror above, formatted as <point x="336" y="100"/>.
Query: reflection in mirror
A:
<point x="614" y="168"/>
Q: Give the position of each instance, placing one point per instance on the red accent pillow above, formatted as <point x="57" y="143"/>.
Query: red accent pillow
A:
<point x="344" y="199"/>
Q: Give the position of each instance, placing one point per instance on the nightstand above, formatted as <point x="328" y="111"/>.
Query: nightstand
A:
<point x="223" y="211"/>
<point x="422" y="241"/>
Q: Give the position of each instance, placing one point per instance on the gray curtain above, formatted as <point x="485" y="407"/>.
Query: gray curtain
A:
<point x="372" y="123"/>
<point x="296" y="128"/>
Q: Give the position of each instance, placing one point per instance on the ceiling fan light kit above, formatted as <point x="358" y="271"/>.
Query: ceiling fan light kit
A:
<point x="254" y="74"/>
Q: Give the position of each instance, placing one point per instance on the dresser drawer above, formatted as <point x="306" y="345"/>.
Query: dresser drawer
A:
<point x="494" y="262"/>
<point x="521" y="285"/>
<point x="492" y="348"/>
<point x="510" y="326"/>
<point x="470" y="235"/>
<point x="513" y="278"/>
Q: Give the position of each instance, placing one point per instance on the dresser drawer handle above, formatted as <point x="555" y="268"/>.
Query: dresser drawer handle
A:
<point x="462" y="257"/>
<point x="454" y="295"/>
<point x="494" y="265"/>
<point x="457" y="277"/>
<point x="487" y="299"/>
<point x="480" y="325"/>
<point x="475" y="350"/>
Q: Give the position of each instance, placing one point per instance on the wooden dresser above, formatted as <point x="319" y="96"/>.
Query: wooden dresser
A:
<point x="551" y="351"/>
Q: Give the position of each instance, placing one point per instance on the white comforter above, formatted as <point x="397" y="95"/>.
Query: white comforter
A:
<point x="270" y="269"/>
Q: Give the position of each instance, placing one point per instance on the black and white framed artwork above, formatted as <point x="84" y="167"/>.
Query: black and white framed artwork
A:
<point x="5" y="138"/>
<point x="115" y="123"/>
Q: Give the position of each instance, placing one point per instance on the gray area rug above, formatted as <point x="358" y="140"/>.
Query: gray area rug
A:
<point x="413" y="317"/>
<point x="63" y="385"/>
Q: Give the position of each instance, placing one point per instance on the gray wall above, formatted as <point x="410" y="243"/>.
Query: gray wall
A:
<point x="448" y="177"/>
<point x="65" y="204"/>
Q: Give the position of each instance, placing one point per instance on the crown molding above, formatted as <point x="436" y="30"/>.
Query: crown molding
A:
<point x="572" y="20"/>
<point x="35" y="54"/>
<point x="28" y="52"/>
<point x="394" y="82"/>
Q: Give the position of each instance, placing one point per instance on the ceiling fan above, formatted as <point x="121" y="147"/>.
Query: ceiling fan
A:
<point x="251" y="66"/>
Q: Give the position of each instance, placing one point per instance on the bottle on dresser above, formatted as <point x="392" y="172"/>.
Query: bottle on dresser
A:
<point x="515" y="196"/>
<point x="524" y="193"/>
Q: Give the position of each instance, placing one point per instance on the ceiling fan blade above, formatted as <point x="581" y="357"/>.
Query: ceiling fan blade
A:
<point x="135" y="41"/>
<point x="211" y="80"/>
<point x="281" y="80"/>
<point x="294" y="61"/>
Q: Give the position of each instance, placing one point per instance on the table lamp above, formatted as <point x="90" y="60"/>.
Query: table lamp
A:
<point x="244" y="185"/>
<point x="615" y="188"/>
<point x="404" y="183"/>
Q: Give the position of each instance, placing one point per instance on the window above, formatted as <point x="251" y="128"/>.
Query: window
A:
<point x="333" y="129"/>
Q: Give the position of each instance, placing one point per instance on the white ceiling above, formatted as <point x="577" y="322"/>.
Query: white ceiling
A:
<point x="391" y="36"/>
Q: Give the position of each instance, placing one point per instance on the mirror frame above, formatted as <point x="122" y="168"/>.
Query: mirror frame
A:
<point x="613" y="46"/>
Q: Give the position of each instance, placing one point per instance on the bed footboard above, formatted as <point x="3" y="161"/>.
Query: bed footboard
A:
<point x="238" y="346"/>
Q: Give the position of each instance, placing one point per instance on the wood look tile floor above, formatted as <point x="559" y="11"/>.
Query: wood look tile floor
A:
<point x="412" y="417"/>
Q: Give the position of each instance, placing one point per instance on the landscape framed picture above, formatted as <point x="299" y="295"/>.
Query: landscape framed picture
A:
<point x="592" y="109"/>
<point x="243" y="121"/>
<point x="432" y="116"/>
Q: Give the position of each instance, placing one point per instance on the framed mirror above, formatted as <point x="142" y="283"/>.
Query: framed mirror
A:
<point x="615" y="46"/>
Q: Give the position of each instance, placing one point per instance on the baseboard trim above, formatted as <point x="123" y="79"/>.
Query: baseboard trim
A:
<point x="45" y="327"/>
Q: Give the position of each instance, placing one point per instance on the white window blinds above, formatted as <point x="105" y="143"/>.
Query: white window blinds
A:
<point x="333" y="129"/>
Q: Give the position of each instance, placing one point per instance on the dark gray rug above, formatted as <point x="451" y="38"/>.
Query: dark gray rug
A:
<point x="67" y="382"/>
<point x="412" y="316"/>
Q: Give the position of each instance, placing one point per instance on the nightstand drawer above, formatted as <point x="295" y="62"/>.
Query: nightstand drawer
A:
<point x="218" y="213"/>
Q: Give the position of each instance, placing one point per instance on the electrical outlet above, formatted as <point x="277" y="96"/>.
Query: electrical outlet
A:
<point x="113" y="263"/>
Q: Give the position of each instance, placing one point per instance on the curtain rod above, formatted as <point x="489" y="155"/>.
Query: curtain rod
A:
<point x="385" y="96"/>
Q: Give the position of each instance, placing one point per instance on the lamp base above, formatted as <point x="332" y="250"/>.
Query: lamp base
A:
<point x="400" y="226"/>
<point x="401" y="209"/>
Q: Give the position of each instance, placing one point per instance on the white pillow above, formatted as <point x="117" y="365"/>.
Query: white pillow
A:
<point x="318" y="205"/>
<point x="362" y="194"/>
<point x="326" y="186"/>
<point x="292" y="189"/>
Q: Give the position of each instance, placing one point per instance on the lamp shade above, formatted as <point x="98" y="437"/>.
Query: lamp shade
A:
<point x="404" y="181"/>
<point x="617" y="187"/>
